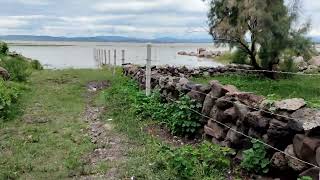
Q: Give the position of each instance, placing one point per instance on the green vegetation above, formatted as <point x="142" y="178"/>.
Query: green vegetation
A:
<point x="306" y="87"/>
<point x="305" y="178"/>
<point x="267" y="23"/>
<point x="254" y="159"/>
<point x="206" y="161"/>
<point x="48" y="140"/>
<point x="177" y="116"/>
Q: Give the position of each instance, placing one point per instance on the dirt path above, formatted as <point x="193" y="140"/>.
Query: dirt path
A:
<point x="110" y="146"/>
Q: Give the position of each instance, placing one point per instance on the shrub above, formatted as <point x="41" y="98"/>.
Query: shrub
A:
<point x="177" y="116"/>
<point x="305" y="178"/>
<point x="240" y="57"/>
<point x="9" y="93"/>
<point x="36" y="65"/>
<point x="254" y="159"/>
<point x="18" y="68"/>
<point x="188" y="162"/>
<point x="3" y="48"/>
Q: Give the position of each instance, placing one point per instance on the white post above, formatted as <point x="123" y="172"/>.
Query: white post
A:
<point x="105" y="57"/>
<point x="99" y="57"/>
<point x="148" y="70"/>
<point x="94" y="55"/>
<point x="109" y="56"/>
<point x="122" y="53"/>
<point x="114" y="63"/>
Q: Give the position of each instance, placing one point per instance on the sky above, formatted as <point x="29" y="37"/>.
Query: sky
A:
<point x="131" y="18"/>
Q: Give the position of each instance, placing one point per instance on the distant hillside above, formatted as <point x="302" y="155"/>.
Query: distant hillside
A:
<point x="102" y="39"/>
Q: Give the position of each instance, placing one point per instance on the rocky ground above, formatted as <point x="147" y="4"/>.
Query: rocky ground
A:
<point x="110" y="146"/>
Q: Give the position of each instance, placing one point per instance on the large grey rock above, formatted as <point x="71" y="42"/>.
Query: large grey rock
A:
<point x="315" y="61"/>
<point x="257" y="121"/>
<point x="318" y="156"/>
<point x="215" y="130"/>
<point x="216" y="89"/>
<point x="229" y="89"/>
<point x="293" y="163"/>
<point x="305" y="119"/>
<point x="224" y="102"/>
<point x="305" y="147"/>
<point x="279" y="161"/>
<point x="290" y="104"/>
<point x="242" y="110"/>
<point x="277" y="130"/>
<point x="208" y="104"/>
<point x="233" y="137"/>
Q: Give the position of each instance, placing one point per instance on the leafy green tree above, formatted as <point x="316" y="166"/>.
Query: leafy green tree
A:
<point x="260" y="28"/>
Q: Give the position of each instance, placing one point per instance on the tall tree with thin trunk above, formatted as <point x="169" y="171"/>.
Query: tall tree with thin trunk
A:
<point x="260" y="28"/>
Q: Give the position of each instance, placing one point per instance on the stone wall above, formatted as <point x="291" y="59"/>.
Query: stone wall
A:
<point x="287" y="125"/>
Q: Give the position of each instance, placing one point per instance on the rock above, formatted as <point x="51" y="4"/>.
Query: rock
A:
<point x="182" y="53"/>
<point x="318" y="156"/>
<point x="241" y="110"/>
<point x="290" y="104"/>
<point x="312" y="69"/>
<point x="305" y="148"/>
<point x="224" y="103"/>
<point x="231" y="114"/>
<point x="229" y="89"/>
<point x="249" y="99"/>
<point x="216" y="131"/>
<point x="305" y="119"/>
<point x="315" y="61"/>
<point x="216" y="89"/>
<point x="277" y="130"/>
<point x="4" y="74"/>
<point x="279" y="161"/>
<point x="192" y="54"/>
<point x="312" y="172"/>
<point x="295" y="164"/>
<point x="257" y="121"/>
<point x="233" y="137"/>
<point x="208" y="104"/>
<point x="253" y="133"/>
<point x="300" y="63"/>
<point x="198" y="93"/>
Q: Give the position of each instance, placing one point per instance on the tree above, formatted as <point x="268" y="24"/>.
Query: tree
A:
<point x="260" y="28"/>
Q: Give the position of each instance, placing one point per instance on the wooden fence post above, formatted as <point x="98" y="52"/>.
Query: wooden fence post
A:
<point x="148" y="70"/>
<point x="114" y="63"/>
<point x="105" y="57"/>
<point x="122" y="53"/>
<point x="109" y="56"/>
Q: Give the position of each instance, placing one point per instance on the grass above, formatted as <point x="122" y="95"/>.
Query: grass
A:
<point x="305" y="87"/>
<point x="225" y="58"/>
<point x="48" y="140"/>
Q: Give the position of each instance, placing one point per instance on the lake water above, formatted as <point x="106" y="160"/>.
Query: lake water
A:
<point x="80" y="54"/>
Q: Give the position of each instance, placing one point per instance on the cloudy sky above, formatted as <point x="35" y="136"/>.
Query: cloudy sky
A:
<point x="134" y="18"/>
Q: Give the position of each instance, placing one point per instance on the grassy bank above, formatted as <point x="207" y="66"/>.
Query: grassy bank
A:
<point x="305" y="87"/>
<point x="49" y="139"/>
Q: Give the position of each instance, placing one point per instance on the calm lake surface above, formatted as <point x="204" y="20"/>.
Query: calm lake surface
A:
<point x="80" y="54"/>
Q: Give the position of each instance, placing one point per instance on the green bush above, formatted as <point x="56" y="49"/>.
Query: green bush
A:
<point x="3" y="48"/>
<point x="305" y="178"/>
<point x="204" y="161"/>
<point x="240" y="57"/>
<point x="9" y="93"/>
<point x="176" y="115"/>
<point x="254" y="159"/>
<point x="36" y="65"/>
<point x="18" y="68"/>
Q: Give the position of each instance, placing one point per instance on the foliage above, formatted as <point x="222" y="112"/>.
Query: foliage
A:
<point x="36" y="65"/>
<point x="240" y="57"/>
<point x="260" y="28"/>
<point x="177" y="116"/>
<point x="254" y="159"/>
<point x="3" y="48"/>
<point x="18" y="68"/>
<point x="205" y="160"/>
<point x="9" y="93"/>
<point x="305" y="178"/>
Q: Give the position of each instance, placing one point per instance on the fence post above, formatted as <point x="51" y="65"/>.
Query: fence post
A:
<point x="105" y="57"/>
<point x="114" y="62"/>
<point x="109" y="56"/>
<point x="122" y="53"/>
<point x="99" y="57"/>
<point x="148" y="70"/>
<point x="94" y="55"/>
